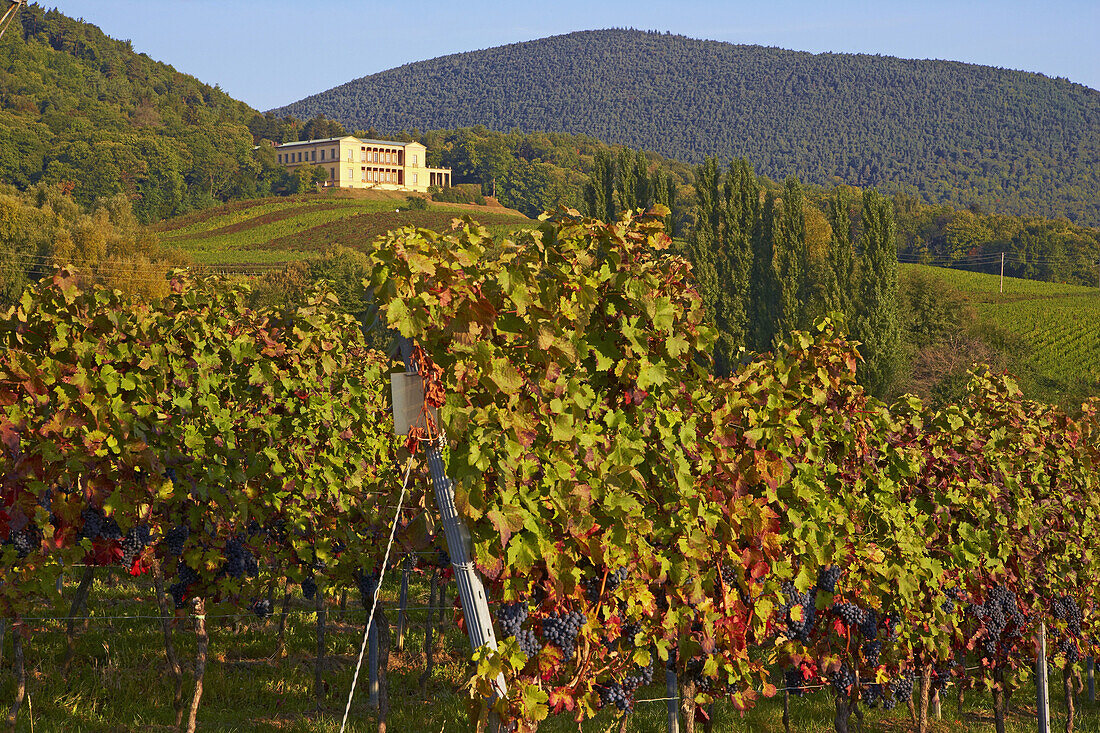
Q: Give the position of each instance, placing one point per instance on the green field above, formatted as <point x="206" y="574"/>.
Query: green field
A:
<point x="119" y="680"/>
<point x="1056" y="326"/>
<point x="294" y="228"/>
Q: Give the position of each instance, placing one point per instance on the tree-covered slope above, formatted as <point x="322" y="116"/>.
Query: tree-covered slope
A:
<point x="955" y="133"/>
<point x="83" y="110"/>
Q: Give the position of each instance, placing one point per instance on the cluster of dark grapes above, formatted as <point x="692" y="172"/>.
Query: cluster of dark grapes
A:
<point x="511" y="618"/>
<point x="827" y="578"/>
<point x="25" y="540"/>
<point x="942" y="675"/>
<point x="96" y="526"/>
<point x="174" y="539"/>
<point x="239" y="561"/>
<point x="869" y="626"/>
<point x="793" y="681"/>
<point x="366" y="582"/>
<point x="185" y="576"/>
<point x="953" y="595"/>
<point x="621" y="694"/>
<point x="640" y="677"/>
<point x="1066" y="609"/>
<point x="262" y="607"/>
<point x="871" y="651"/>
<point x="614" y="580"/>
<point x="871" y="694"/>
<point x="442" y="558"/>
<point x="901" y="690"/>
<point x="309" y="587"/>
<point x="1001" y="617"/>
<point x="843" y="679"/>
<point x="851" y="614"/>
<point x="800" y="629"/>
<point x="528" y="643"/>
<point x="1068" y="647"/>
<point x="561" y="630"/>
<point x="629" y="632"/>
<point x="614" y="694"/>
<point x="134" y="542"/>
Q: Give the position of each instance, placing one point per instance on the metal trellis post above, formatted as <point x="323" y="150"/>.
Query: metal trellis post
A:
<point x="471" y="592"/>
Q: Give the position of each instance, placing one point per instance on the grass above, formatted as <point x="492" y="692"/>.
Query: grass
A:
<point x="1056" y="325"/>
<point x="119" y="681"/>
<point x="294" y="228"/>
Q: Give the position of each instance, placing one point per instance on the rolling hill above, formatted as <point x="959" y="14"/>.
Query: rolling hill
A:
<point x="287" y="229"/>
<point x="955" y="133"/>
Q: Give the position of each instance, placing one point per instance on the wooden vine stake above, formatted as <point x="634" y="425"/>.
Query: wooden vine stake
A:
<point x="280" y="647"/>
<point x="78" y="608"/>
<point x="382" y="626"/>
<point x="166" y="618"/>
<point x="403" y="602"/>
<point x="20" y="674"/>
<point x="429" y="646"/>
<point x="319" y="663"/>
<point x="372" y="662"/>
<point x="202" y="644"/>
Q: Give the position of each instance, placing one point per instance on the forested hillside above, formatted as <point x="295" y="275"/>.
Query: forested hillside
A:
<point x="948" y="132"/>
<point x="81" y="109"/>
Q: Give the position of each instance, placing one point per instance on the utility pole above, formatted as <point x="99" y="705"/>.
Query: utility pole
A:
<point x="1002" y="272"/>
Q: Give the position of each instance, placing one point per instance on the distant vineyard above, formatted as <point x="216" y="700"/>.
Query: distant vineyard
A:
<point x="1056" y="323"/>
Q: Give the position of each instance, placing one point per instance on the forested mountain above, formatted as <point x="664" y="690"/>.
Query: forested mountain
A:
<point x="948" y="132"/>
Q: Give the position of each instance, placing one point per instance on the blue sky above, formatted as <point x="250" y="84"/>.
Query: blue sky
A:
<point x="273" y="52"/>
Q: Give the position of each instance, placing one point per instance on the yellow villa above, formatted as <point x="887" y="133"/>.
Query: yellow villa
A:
<point x="355" y="163"/>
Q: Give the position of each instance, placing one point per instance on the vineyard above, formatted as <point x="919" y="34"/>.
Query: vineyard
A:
<point x="1056" y="321"/>
<point x="291" y="228"/>
<point x="639" y="525"/>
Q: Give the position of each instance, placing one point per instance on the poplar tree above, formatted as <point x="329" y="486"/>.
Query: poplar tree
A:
<point x="876" y="324"/>
<point x="663" y="191"/>
<point x="626" y="196"/>
<point x="790" y="245"/>
<point x="701" y="247"/>
<point x="763" y="300"/>
<point x="599" y="192"/>
<point x="840" y="275"/>
<point x="642" y="190"/>
<point x="740" y="212"/>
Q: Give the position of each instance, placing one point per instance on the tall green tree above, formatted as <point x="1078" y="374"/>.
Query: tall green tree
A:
<point x="877" y="325"/>
<point x="740" y="213"/>
<point x="643" y="194"/>
<point x="840" y="262"/>
<point x="764" y="288"/>
<point x="663" y="190"/>
<point x="790" y="248"/>
<point x="599" y="192"/>
<point x="626" y="194"/>
<point x="702" y="243"/>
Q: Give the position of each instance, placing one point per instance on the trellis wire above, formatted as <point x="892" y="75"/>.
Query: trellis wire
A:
<point x="377" y="589"/>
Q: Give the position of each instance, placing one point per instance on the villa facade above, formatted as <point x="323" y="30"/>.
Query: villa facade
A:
<point x="352" y="162"/>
